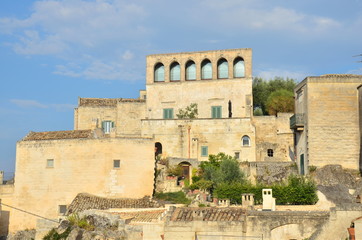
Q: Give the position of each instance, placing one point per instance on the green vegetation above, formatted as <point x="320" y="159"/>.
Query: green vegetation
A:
<point x="173" y="197"/>
<point x="263" y="89"/>
<point x="75" y="220"/>
<point x="174" y="171"/>
<point x="53" y="235"/>
<point x="189" y="112"/>
<point x="280" y="101"/>
<point x="221" y="175"/>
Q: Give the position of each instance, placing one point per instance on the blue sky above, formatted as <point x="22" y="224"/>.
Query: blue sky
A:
<point x="52" y="52"/>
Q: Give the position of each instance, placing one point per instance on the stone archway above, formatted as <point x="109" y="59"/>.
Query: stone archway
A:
<point x="158" y="149"/>
<point x="186" y="170"/>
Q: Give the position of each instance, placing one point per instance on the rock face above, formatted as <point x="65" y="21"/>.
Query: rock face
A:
<point x="338" y="185"/>
<point x="22" y="235"/>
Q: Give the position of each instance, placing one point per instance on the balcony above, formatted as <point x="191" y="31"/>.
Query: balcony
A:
<point x="297" y="122"/>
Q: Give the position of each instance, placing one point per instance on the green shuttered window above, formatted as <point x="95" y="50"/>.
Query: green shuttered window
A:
<point x="204" y="151"/>
<point x="168" y="113"/>
<point x="216" y="112"/>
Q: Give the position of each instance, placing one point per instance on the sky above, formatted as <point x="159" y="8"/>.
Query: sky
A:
<point x="54" y="51"/>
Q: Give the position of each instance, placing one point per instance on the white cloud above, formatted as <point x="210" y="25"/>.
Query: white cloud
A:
<point x="26" y="103"/>
<point x="272" y="73"/>
<point x="80" y="31"/>
<point x="257" y="15"/>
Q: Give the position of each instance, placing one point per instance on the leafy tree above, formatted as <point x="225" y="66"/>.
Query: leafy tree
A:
<point x="262" y="89"/>
<point x="189" y="112"/>
<point x="280" y="100"/>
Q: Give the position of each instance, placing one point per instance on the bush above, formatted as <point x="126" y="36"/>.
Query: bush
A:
<point x="173" y="197"/>
<point x="298" y="190"/>
<point x="54" y="235"/>
<point x="174" y="171"/>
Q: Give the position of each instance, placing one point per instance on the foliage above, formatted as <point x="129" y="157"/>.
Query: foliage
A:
<point x="202" y="185"/>
<point x="262" y="89"/>
<point x="258" y="111"/>
<point x="75" y="220"/>
<point x="173" y="197"/>
<point x="174" y="171"/>
<point x="280" y="101"/>
<point x="297" y="190"/>
<point x="54" y="235"/>
<point x="312" y="168"/>
<point x="189" y="112"/>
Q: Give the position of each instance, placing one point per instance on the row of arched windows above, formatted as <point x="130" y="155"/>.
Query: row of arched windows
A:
<point x="206" y="70"/>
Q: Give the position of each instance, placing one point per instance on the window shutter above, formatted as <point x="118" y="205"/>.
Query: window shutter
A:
<point x="112" y="124"/>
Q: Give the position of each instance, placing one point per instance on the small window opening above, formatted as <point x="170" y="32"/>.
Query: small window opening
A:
<point x="62" y="210"/>
<point x="270" y="152"/>
<point x="116" y="163"/>
<point x="237" y="155"/>
<point x="230" y="109"/>
<point x="50" y="163"/>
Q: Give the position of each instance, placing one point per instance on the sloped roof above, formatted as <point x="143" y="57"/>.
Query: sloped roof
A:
<point x="54" y="135"/>
<point x="98" y="102"/>
<point x="85" y="201"/>
<point x="143" y="216"/>
<point x="208" y="214"/>
<point x="105" y="102"/>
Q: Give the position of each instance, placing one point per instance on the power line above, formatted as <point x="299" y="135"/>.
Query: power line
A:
<point x="21" y="210"/>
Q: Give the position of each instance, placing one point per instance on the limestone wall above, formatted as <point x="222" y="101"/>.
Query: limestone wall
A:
<point x="129" y="115"/>
<point x="92" y="117"/>
<point x="206" y="93"/>
<point x="80" y="165"/>
<point x="273" y="133"/>
<point x="181" y="137"/>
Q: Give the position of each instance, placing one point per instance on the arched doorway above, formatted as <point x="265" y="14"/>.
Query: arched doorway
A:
<point x="158" y="149"/>
<point x="186" y="170"/>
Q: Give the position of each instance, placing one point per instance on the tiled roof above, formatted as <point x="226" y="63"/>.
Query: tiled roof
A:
<point x="105" y="102"/>
<point x="208" y="214"/>
<point x="142" y="216"/>
<point x="54" y="135"/>
<point x="98" y="102"/>
<point x="84" y="201"/>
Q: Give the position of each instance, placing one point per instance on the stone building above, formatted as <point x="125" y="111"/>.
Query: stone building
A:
<point x="327" y="119"/>
<point x="111" y="151"/>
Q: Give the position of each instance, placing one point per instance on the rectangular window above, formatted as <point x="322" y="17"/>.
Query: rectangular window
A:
<point x="237" y="155"/>
<point x="168" y="113"/>
<point x="204" y="151"/>
<point x="107" y="126"/>
<point x="50" y="163"/>
<point x="62" y="209"/>
<point x="216" y="111"/>
<point x="116" y="163"/>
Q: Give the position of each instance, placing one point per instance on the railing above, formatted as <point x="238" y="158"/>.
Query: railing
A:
<point x="297" y="121"/>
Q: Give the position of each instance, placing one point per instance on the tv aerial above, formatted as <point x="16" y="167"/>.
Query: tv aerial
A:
<point x="358" y="55"/>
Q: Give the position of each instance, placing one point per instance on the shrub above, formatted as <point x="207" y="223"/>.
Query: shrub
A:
<point x="173" y="197"/>
<point x="174" y="171"/>
<point x="54" y="235"/>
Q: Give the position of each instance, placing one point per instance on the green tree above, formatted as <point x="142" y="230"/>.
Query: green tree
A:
<point x="262" y="89"/>
<point x="280" y="100"/>
<point x="189" y="112"/>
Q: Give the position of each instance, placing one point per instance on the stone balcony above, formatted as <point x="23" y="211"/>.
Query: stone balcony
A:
<point x="297" y="122"/>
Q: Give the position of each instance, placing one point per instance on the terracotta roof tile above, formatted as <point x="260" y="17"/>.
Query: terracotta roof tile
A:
<point x="143" y="216"/>
<point x="105" y="102"/>
<point x="84" y="201"/>
<point x="54" y="135"/>
<point x="208" y="214"/>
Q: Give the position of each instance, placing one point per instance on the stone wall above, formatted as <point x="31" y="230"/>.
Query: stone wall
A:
<point x="80" y="165"/>
<point x="273" y="133"/>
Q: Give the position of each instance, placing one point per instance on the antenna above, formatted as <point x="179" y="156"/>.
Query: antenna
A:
<point x="358" y="55"/>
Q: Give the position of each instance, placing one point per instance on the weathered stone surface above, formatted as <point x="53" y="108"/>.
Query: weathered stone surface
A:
<point x="331" y="175"/>
<point x="22" y="235"/>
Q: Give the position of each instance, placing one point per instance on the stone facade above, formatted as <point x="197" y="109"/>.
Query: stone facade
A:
<point x="111" y="151"/>
<point x="326" y="123"/>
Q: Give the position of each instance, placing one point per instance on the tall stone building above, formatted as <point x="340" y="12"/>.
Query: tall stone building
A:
<point x="327" y="119"/>
<point x="111" y="151"/>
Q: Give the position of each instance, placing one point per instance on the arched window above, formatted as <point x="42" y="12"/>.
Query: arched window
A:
<point x="175" y="72"/>
<point x="222" y="68"/>
<point x="245" y="140"/>
<point x="206" y="69"/>
<point x="190" y="70"/>
<point x="159" y="72"/>
<point x="239" y="67"/>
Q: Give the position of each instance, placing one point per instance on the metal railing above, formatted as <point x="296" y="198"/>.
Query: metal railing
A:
<point x="297" y="120"/>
